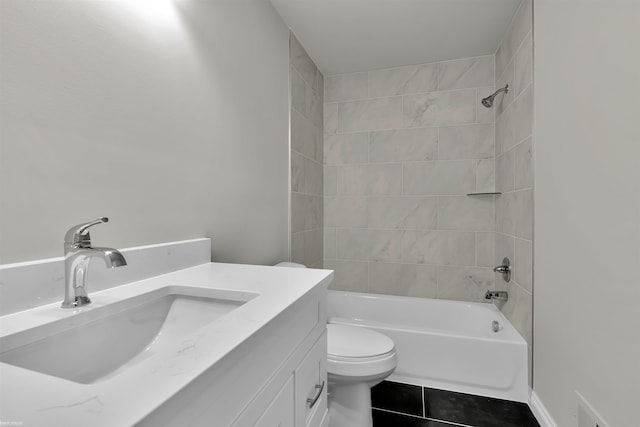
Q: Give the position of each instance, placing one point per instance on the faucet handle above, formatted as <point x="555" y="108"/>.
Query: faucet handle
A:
<point x="78" y="235"/>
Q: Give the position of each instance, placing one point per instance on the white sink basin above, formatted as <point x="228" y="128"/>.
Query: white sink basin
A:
<point x="102" y="342"/>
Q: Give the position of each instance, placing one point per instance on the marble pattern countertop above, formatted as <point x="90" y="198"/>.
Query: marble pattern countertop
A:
<point x="30" y="398"/>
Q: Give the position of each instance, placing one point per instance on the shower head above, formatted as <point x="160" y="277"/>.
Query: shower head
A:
<point x="488" y="101"/>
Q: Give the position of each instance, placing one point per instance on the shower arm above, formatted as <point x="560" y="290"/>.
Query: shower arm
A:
<point x="503" y="89"/>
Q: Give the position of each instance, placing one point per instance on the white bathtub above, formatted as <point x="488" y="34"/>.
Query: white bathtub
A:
<point x="442" y="344"/>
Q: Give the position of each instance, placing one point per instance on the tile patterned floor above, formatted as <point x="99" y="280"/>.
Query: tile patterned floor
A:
<point x="404" y="405"/>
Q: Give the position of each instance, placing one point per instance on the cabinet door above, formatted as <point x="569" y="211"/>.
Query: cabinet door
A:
<point x="280" y="411"/>
<point x="311" y="385"/>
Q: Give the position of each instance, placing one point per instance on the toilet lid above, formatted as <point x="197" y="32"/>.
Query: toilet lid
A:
<point x="353" y="341"/>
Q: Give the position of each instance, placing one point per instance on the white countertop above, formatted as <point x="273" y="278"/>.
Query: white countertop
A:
<point x="30" y="398"/>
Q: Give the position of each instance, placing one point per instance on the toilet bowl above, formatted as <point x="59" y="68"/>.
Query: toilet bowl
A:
<point x="357" y="359"/>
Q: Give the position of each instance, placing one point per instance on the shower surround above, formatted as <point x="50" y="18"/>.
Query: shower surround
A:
<point x="306" y="157"/>
<point x="514" y="170"/>
<point x="402" y="148"/>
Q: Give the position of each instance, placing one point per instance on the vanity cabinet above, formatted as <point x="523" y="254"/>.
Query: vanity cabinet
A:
<point x="280" y="411"/>
<point x="311" y="384"/>
<point x="303" y="399"/>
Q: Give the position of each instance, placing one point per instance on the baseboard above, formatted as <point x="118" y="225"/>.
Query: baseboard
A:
<point x="540" y="411"/>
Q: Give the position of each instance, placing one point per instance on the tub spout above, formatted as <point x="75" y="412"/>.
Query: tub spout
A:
<point x="497" y="295"/>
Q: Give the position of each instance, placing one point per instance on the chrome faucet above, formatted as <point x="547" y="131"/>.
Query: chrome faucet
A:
<point x="497" y="295"/>
<point x="78" y="253"/>
<point x="504" y="269"/>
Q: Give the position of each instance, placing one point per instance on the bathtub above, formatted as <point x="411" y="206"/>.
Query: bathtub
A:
<point x="448" y="345"/>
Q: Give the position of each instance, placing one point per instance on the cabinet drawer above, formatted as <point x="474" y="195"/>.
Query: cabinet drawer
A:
<point x="311" y="384"/>
<point x="280" y="411"/>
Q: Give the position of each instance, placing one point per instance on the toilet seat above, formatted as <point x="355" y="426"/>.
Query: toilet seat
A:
<point x="358" y="352"/>
<point x="356" y="342"/>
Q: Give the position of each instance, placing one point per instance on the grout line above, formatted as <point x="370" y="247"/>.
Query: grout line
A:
<point x="452" y="423"/>
<point x="403" y="162"/>
<point x="399" y="413"/>
<point x="513" y="101"/>
<point x="412" y="65"/>
<point x="403" y="95"/>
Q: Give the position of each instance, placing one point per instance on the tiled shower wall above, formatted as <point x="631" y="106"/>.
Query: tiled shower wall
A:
<point x="514" y="169"/>
<point x="402" y="147"/>
<point x="306" y="157"/>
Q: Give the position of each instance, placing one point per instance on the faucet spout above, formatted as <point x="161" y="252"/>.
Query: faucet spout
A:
<point x="77" y="257"/>
<point x="497" y="295"/>
<point x="111" y="257"/>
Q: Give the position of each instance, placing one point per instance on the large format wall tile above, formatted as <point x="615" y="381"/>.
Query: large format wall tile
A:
<point x="516" y="123"/>
<point x="345" y="87"/>
<point x="345" y="212"/>
<point x="514" y="214"/>
<point x="466" y="73"/>
<point x="518" y="309"/>
<point x="485" y="244"/>
<point x="330" y="118"/>
<point x="505" y="170"/>
<point x="306" y="175"/>
<point x="373" y="179"/>
<point x="330" y="181"/>
<point x="520" y="26"/>
<point x="403" y="212"/>
<point x="438" y="247"/>
<point x="464" y="283"/>
<point x="306" y="212"/>
<point x="370" y="114"/>
<point x="369" y="244"/>
<point x="403" y="80"/>
<point x="466" y="213"/>
<point x="523" y="164"/>
<point x="340" y="149"/>
<point x="306" y="157"/>
<point x="307" y="247"/>
<point x="440" y="178"/>
<point x="330" y="243"/>
<point x="466" y="142"/>
<point x="440" y="108"/>
<point x="523" y="66"/>
<point x="403" y="279"/>
<point x="302" y="63"/>
<point x="485" y="176"/>
<point x="505" y="247"/>
<point x="403" y="145"/>
<point x="306" y="138"/>
<point x="523" y="264"/>
<point x="349" y="275"/>
<point x="402" y="149"/>
<point x="514" y="168"/>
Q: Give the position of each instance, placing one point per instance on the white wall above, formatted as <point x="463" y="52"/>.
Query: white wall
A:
<point x="587" y="208"/>
<point x="170" y="117"/>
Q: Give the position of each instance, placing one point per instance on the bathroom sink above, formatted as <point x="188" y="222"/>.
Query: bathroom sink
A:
<point x="101" y="342"/>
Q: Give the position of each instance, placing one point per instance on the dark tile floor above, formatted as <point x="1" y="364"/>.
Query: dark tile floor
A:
<point x="404" y="405"/>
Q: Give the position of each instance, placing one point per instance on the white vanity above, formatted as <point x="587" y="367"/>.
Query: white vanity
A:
<point x="210" y="345"/>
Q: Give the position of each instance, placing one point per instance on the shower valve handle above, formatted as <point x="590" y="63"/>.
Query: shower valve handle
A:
<point x="504" y="269"/>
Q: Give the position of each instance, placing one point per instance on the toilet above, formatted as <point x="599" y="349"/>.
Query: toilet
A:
<point x="357" y="359"/>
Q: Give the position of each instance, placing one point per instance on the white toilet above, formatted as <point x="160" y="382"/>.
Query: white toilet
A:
<point x="357" y="359"/>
